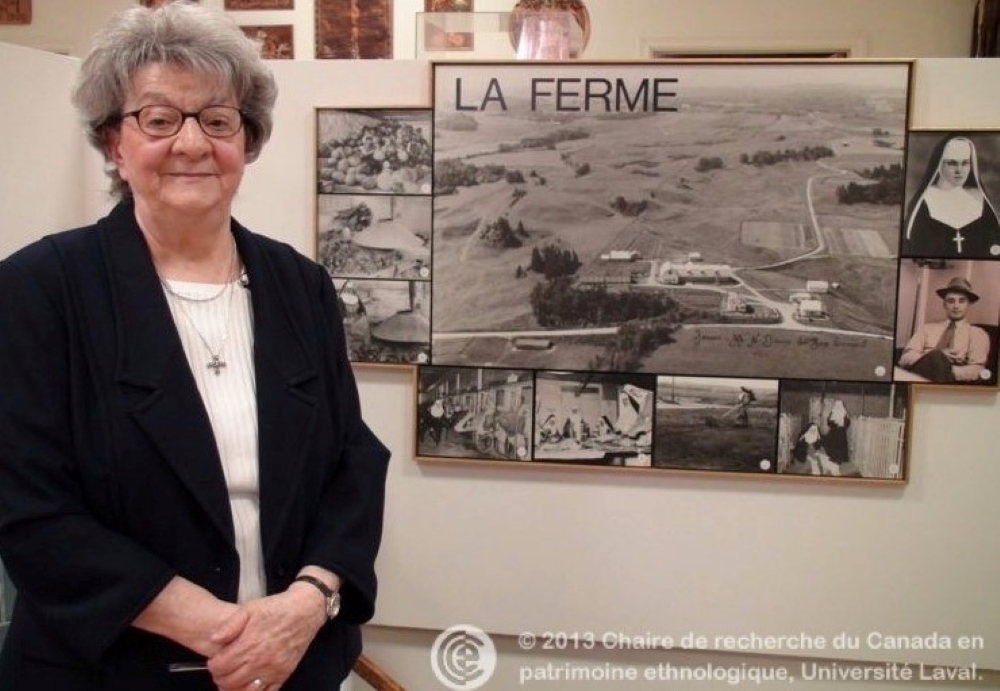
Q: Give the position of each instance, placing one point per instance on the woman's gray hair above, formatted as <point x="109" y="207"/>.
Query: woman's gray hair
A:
<point x="178" y="33"/>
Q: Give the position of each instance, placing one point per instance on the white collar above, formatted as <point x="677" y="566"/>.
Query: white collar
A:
<point x="956" y="207"/>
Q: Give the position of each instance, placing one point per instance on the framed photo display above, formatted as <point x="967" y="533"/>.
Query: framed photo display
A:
<point x="15" y="12"/>
<point x="689" y="267"/>
<point x="685" y="218"/>
<point x="353" y="29"/>
<point x="948" y="307"/>
<point x="843" y="429"/>
<point x="373" y="228"/>
<point x="718" y="424"/>
<point x="825" y="430"/>
<point x="952" y="191"/>
<point x="276" y="41"/>
<point x="948" y="322"/>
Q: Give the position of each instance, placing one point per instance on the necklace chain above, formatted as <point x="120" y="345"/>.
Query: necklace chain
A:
<point x="216" y="363"/>
<point x="230" y="274"/>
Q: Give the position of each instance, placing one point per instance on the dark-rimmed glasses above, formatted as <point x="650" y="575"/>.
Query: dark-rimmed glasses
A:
<point x="166" y="121"/>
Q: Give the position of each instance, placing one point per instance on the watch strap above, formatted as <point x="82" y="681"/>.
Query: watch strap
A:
<point x="330" y="596"/>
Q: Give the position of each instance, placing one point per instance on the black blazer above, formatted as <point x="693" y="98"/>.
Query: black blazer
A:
<point x="110" y="481"/>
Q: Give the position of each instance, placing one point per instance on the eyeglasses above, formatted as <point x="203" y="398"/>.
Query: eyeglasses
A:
<point x="166" y="121"/>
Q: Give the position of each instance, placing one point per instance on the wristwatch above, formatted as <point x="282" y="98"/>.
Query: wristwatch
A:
<point x="331" y="596"/>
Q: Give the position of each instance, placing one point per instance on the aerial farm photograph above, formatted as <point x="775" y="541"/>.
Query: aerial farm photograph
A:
<point x="687" y="219"/>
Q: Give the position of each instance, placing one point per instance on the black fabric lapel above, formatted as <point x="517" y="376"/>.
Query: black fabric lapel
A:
<point x="153" y="372"/>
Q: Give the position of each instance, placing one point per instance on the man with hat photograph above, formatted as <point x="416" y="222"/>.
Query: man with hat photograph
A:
<point x="953" y="350"/>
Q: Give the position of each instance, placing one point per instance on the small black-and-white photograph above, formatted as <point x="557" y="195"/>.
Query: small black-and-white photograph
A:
<point x="949" y="313"/>
<point x="843" y="429"/>
<point x="743" y="222"/>
<point x="475" y="413"/>
<point x="374" y="236"/>
<point x="952" y="191"/>
<point x="382" y="151"/>
<point x="594" y="418"/>
<point x="385" y="322"/>
<point x="718" y="424"/>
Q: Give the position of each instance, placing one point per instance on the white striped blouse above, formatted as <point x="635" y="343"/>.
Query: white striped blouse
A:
<point x="222" y="326"/>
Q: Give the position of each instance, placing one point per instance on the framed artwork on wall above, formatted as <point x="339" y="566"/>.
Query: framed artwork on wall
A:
<point x="670" y="218"/>
<point x="474" y="413"/>
<point x="594" y="418"/>
<point x="843" y="429"/>
<point x="353" y="29"/>
<point x="952" y="191"/>
<point x="276" y="42"/>
<point x="716" y="423"/>
<point x="949" y="322"/>
<point x="781" y="429"/>
<point x="373" y="228"/>
<point x="15" y="11"/>
<point x="690" y="267"/>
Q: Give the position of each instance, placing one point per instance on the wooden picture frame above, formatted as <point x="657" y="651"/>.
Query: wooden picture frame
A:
<point x="579" y="243"/>
<point x="353" y="29"/>
<point x="373" y="228"/>
<point x="824" y="431"/>
<point x="568" y="187"/>
<point x="15" y="11"/>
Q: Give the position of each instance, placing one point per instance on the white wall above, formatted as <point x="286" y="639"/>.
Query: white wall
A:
<point x="41" y="186"/>
<point x="63" y="26"/>
<point x="621" y="28"/>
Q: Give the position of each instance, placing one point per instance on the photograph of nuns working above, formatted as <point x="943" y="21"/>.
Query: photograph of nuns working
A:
<point x="952" y="181"/>
<point x="843" y="429"/>
<point x="189" y="497"/>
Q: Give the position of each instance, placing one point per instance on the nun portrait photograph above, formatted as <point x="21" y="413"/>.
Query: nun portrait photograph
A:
<point x="951" y="215"/>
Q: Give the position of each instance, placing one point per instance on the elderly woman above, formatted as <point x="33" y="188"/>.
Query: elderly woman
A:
<point x="189" y="498"/>
<point x="952" y="216"/>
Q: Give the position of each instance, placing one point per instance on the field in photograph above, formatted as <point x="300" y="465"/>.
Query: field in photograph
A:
<point x="664" y="190"/>
<point x="703" y="438"/>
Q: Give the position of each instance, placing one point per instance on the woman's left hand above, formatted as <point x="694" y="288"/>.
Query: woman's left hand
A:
<point x="265" y="640"/>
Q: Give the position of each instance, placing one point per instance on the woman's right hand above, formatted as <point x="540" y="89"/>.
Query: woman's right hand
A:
<point x="187" y="614"/>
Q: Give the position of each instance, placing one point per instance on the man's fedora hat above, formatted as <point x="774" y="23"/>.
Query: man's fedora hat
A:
<point x="958" y="285"/>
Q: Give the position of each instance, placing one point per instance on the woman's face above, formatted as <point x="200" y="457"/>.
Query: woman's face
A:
<point x="189" y="172"/>
<point x="956" y="163"/>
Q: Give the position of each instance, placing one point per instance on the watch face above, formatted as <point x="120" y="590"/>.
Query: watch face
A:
<point x="333" y="606"/>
